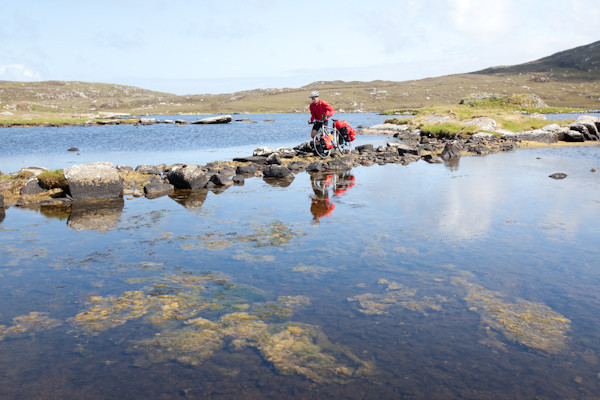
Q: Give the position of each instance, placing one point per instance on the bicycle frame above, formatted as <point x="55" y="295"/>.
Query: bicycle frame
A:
<point x="338" y="143"/>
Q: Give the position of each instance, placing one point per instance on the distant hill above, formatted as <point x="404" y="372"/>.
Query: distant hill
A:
<point x="569" y="78"/>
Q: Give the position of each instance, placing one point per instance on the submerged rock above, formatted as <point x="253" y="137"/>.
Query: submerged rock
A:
<point x="187" y="177"/>
<point x="558" y="175"/>
<point x="219" y="119"/>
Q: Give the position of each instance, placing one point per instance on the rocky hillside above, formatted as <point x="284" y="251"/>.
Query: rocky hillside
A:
<point x="567" y="79"/>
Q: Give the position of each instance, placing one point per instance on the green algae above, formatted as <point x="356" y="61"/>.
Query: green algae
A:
<point x="396" y="295"/>
<point x="529" y="323"/>
<point x="197" y="315"/>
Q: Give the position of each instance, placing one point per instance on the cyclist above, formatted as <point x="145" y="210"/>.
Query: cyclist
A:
<point x="319" y="110"/>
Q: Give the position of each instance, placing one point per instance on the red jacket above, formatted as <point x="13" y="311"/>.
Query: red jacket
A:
<point x="322" y="107"/>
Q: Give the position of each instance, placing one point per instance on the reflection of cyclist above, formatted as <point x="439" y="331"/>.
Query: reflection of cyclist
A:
<point x="319" y="110"/>
<point x="321" y="205"/>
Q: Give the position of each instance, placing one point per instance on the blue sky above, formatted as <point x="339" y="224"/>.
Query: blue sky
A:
<point x="198" y="47"/>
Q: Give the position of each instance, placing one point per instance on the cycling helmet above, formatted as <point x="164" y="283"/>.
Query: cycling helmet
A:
<point x="314" y="94"/>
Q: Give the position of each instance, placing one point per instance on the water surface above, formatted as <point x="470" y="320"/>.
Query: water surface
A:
<point x="420" y="281"/>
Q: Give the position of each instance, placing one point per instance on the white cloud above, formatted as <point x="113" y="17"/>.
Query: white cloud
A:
<point x="18" y="72"/>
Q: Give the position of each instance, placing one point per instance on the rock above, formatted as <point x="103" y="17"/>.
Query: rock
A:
<point x="187" y="177"/>
<point x="34" y="170"/>
<point x="338" y="164"/>
<point x="220" y="180"/>
<point x="246" y="169"/>
<point x="238" y="179"/>
<point x="305" y="147"/>
<point x="485" y="123"/>
<point x="147" y="121"/>
<point x="403" y="148"/>
<point x="73" y="149"/>
<point x="32" y="187"/>
<point x="316" y="166"/>
<point x="254" y="159"/>
<point x="573" y="135"/>
<point x="157" y="189"/>
<point x="451" y="151"/>
<point x="400" y="131"/>
<point x="431" y="159"/>
<point x="558" y="175"/>
<point x="286" y="152"/>
<point x="124" y="168"/>
<point x="263" y="151"/>
<point x="538" y="135"/>
<point x="274" y="159"/>
<point x="219" y="119"/>
<point x="147" y="169"/>
<point x="1" y="203"/>
<point x="436" y="119"/>
<point x="95" y="215"/>
<point x="297" y="166"/>
<point x="181" y="122"/>
<point x="93" y="181"/>
<point x="480" y="149"/>
<point x="277" y="171"/>
<point x="364" y="147"/>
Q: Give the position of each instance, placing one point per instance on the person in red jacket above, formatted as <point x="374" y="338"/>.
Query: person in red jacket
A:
<point x="319" y="111"/>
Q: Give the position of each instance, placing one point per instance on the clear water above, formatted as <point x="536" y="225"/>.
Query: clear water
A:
<point x="421" y="281"/>
<point x="160" y="143"/>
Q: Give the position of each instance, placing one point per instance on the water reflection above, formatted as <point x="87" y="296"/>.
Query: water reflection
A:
<point x="190" y="199"/>
<point x="95" y="215"/>
<point x="324" y="183"/>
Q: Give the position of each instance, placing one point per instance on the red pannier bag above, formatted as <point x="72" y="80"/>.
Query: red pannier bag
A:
<point x="346" y="130"/>
<point x="326" y="142"/>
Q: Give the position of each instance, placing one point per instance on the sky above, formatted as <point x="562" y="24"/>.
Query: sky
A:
<point x="211" y="47"/>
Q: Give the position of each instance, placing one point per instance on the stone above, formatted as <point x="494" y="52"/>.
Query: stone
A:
<point x="249" y="169"/>
<point x="147" y="169"/>
<point x="219" y="119"/>
<point x="274" y="159"/>
<point x="316" y="166"/>
<point x="364" y="148"/>
<point x="451" y="151"/>
<point x="263" y="151"/>
<point x="403" y="148"/>
<point x="99" y="180"/>
<point x="238" y="179"/>
<point x="157" y="189"/>
<point x="558" y="175"/>
<point x="431" y="159"/>
<point x="485" y="123"/>
<point x="124" y="168"/>
<point x="1" y="203"/>
<point x="254" y="159"/>
<point x="220" y="180"/>
<point x="187" y="177"/>
<point x="286" y="152"/>
<point x="147" y="121"/>
<point x="277" y="171"/>
<point x="32" y="187"/>
<point x="72" y="149"/>
<point x="297" y="165"/>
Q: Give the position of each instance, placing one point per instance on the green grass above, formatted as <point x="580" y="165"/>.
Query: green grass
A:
<point x="53" y="179"/>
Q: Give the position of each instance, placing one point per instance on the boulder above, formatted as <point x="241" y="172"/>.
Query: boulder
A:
<point x="403" y="148"/>
<point x="485" y="123"/>
<point x="187" y="177"/>
<point x="220" y="179"/>
<point x="297" y="165"/>
<point x="364" y="148"/>
<point x="286" y="152"/>
<point x="277" y="171"/>
<point x="99" y="180"/>
<point x="451" y="151"/>
<point x="147" y="169"/>
<point x="32" y="187"/>
<point x="246" y="169"/>
<point x="316" y="166"/>
<point x="400" y="131"/>
<point x="263" y="151"/>
<point x="147" y="121"/>
<point x="274" y="159"/>
<point x="254" y="159"/>
<point x="558" y="175"/>
<point x="1" y="203"/>
<point x="238" y="179"/>
<point x="124" y="168"/>
<point x="219" y="119"/>
<point x="157" y="189"/>
<point x="305" y="147"/>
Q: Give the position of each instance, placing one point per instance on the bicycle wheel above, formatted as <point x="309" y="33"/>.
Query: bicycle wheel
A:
<point x="318" y="147"/>
<point x="340" y="144"/>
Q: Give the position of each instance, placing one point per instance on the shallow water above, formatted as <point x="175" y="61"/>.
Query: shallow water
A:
<point x="422" y="281"/>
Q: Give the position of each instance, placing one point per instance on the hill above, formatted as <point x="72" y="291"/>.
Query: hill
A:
<point x="566" y="79"/>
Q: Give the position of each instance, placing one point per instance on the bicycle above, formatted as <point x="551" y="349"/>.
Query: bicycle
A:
<point x="337" y="141"/>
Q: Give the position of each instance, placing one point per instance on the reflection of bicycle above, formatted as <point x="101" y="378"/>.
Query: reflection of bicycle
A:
<point x="339" y="183"/>
<point x="328" y="139"/>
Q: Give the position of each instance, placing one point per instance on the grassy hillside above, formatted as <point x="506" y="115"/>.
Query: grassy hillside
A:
<point x="567" y="79"/>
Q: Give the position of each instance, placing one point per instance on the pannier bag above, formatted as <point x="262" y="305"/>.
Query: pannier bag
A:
<point x="346" y="130"/>
<point x="326" y="142"/>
